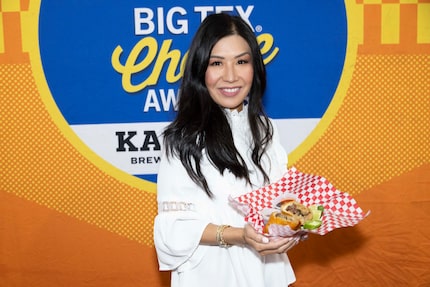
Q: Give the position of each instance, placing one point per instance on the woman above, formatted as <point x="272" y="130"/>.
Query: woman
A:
<point x="221" y="144"/>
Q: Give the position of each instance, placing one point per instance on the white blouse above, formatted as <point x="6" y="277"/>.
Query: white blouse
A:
<point x="185" y="210"/>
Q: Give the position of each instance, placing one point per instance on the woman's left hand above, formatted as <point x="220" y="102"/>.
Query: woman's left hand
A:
<point x="280" y="245"/>
<point x="266" y="245"/>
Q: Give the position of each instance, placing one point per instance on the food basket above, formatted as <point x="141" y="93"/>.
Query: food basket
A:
<point x="340" y="209"/>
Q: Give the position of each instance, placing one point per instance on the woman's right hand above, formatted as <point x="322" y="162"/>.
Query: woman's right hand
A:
<point x="264" y="246"/>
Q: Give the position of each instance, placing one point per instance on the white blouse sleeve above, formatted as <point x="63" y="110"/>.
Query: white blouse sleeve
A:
<point x="181" y="218"/>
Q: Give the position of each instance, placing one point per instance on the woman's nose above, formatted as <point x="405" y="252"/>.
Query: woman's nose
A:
<point x="230" y="73"/>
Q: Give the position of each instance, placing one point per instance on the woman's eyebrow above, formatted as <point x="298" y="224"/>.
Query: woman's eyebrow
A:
<point x="238" y="56"/>
<point x="243" y="54"/>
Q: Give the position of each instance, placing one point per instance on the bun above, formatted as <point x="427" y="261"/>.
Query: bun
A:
<point x="292" y="214"/>
<point x="282" y="218"/>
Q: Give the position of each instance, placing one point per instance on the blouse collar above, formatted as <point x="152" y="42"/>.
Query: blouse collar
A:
<point x="235" y="113"/>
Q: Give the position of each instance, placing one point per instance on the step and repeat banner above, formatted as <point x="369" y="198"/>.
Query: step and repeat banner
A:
<point x="86" y="88"/>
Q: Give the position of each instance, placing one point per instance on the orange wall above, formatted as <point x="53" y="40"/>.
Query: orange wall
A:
<point x="65" y="222"/>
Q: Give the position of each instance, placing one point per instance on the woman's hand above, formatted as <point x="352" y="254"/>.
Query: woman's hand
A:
<point x="264" y="245"/>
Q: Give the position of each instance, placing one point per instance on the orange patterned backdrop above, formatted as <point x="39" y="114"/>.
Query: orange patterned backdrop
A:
<point x="64" y="221"/>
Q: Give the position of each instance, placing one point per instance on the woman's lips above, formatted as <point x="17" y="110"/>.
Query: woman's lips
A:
<point x="229" y="92"/>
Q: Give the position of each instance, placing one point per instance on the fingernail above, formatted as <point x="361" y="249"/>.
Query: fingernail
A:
<point x="265" y="240"/>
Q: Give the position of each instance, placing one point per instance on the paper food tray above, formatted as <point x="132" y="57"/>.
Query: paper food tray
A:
<point x="340" y="209"/>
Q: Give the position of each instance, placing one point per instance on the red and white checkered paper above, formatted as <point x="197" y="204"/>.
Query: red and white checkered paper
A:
<point x="340" y="209"/>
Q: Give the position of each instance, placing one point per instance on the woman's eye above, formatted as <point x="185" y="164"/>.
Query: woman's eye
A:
<point x="241" y="62"/>
<point x="215" y="63"/>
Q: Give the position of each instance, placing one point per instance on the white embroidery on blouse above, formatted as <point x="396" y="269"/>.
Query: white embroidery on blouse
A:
<point x="176" y="206"/>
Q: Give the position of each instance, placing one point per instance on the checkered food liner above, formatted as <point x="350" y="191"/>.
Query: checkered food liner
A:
<point x="340" y="209"/>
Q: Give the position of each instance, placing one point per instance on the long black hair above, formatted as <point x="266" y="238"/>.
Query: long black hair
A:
<point x="200" y="123"/>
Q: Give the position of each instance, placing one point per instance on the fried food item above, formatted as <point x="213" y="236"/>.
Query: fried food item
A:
<point x="292" y="213"/>
<point x="300" y="211"/>
<point x="282" y="218"/>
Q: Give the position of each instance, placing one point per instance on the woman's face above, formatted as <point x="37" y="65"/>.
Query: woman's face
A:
<point x="230" y="72"/>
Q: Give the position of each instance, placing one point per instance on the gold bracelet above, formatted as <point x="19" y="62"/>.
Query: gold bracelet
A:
<point x="219" y="236"/>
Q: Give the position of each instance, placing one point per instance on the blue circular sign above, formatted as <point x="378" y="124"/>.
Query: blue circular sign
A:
<point x="113" y="68"/>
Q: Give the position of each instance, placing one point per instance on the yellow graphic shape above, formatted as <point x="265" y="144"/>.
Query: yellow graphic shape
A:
<point x="390" y="24"/>
<point x="10" y="6"/>
<point x="423" y="18"/>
